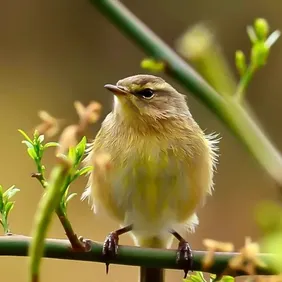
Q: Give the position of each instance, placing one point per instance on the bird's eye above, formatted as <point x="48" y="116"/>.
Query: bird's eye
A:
<point x="146" y="93"/>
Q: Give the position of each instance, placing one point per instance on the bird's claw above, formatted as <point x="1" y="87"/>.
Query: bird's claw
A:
<point x="110" y="248"/>
<point x="184" y="257"/>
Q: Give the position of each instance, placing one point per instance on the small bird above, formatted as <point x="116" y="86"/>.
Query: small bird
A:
<point x="161" y="167"/>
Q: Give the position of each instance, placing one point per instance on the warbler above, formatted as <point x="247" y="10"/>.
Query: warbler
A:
<point x="161" y="167"/>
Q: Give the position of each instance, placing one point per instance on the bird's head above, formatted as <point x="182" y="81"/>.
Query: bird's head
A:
<point x="147" y="97"/>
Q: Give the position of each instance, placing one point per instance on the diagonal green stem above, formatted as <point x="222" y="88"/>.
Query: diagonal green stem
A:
<point x="234" y="116"/>
<point x="43" y="218"/>
<point x="244" y="82"/>
<point x="73" y="238"/>
<point x="136" y="256"/>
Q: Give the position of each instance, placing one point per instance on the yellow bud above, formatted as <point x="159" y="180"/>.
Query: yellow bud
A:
<point x="152" y="65"/>
<point x="261" y="28"/>
<point x="240" y="61"/>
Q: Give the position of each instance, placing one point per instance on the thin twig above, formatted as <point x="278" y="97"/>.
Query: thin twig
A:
<point x="77" y="244"/>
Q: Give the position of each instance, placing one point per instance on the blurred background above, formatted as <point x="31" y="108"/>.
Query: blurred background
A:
<point x="55" y="52"/>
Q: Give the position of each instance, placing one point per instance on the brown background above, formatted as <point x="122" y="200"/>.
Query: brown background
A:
<point x="55" y="52"/>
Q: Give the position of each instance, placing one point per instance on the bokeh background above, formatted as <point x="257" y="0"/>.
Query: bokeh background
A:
<point x="55" y="52"/>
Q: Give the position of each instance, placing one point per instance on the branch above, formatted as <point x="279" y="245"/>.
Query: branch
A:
<point x="135" y="256"/>
<point x="233" y="115"/>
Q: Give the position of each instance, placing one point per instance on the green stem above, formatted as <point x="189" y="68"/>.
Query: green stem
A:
<point x="69" y="231"/>
<point x="73" y="238"/>
<point x="236" y="118"/>
<point x="5" y="224"/>
<point x="135" y="256"/>
<point x="43" y="218"/>
<point x="244" y="82"/>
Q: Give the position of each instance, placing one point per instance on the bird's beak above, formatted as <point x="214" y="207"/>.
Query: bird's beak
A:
<point x="115" y="89"/>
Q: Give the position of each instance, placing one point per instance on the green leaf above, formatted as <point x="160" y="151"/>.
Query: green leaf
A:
<point x="70" y="197"/>
<point x="41" y="138"/>
<point x="227" y="279"/>
<point x="65" y="194"/>
<point x="28" y="144"/>
<point x="72" y="154"/>
<point x="51" y="144"/>
<point x="35" y="135"/>
<point x="32" y="153"/>
<point x="10" y="193"/>
<point x="8" y="207"/>
<point x="1" y="199"/>
<point x="80" y="149"/>
<point x="25" y="136"/>
<point x="196" y="277"/>
<point x="212" y="277"/>
<point x="84" y="170"/>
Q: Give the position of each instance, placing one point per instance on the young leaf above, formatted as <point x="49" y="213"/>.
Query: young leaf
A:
<point x="196" y="277"/>
<point x="51" y="144"/>
<point x="8" y="207"/>
<point x="35" y="135"/>
<point x="80" y="149"/>
<point x="28" y="144"/>
<point x="227" y="279"/>
<point x="25" y="136"/>
<point x="70" y="197"/>
<point x="1" y="198"/>
<point x="72" y="154"/>
<point x="84" y="170"/>
<point x="10" y="193"/>
<point x="41" y="138"/>
<point x="32" y="153"/>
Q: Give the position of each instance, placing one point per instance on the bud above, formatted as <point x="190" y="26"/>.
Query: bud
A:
<point x="261" y="28"/>
<point x="240" y="61"/>
<point x="259" y="54"/>
<point x="152" y="65"/>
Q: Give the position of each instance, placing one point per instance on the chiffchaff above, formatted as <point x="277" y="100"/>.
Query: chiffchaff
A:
<point x="161" y="166"/>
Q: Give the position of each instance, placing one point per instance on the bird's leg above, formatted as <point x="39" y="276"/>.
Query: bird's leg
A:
<point x="110" y="246"/>
<point x="184" y="256"/>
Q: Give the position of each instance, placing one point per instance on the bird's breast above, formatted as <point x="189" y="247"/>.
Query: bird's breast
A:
<point x="151" y="187"/>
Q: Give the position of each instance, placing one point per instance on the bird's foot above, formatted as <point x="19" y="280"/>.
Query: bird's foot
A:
<point x="184" y="257"/>
<point x="110" y="248"/>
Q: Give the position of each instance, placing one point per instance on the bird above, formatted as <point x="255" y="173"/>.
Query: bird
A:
<point x="161" y="169"/>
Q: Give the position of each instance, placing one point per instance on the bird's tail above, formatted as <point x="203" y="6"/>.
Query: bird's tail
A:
<point x="151" y="274"/>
